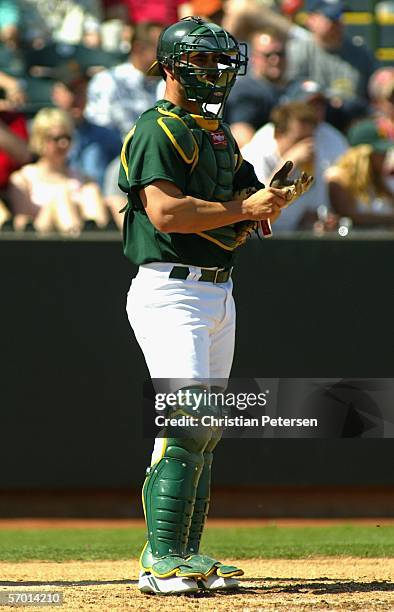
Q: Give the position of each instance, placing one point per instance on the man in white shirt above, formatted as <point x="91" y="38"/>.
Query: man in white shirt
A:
<point x="118" y="96"/>
<point x="298" y="132"/>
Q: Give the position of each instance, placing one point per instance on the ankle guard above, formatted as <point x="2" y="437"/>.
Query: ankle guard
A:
<point x="207" y="565"/>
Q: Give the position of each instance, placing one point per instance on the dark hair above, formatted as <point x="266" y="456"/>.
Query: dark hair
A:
<point x="283" y="114"/>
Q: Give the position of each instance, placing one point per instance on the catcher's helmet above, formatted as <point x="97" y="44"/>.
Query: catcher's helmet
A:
<point x="181" y="41"/>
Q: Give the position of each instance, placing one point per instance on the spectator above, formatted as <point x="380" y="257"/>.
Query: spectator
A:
<point x="116" y="97"/>
<point x="114" y="197"/>
<point x="13" y="148"/>
<point x="329" y="141"/>
<point x="253" y="97"/>
<point x="212" y="10"/>
<point x="291" y="135"/>
<point x="93" y="146"/>
<point x="164" y="12"/>
<point x="361" y="182"/>
<point x="381" y="93"/>
<point x="13" y="153"/>
<point x="329" y="56"/>
<point x="13" y="93"/>
<point x="66" y="22"/>
<point x="5" y="216"/>
<point x="290" y="8"/>
<point x="116" y="31"/>
<point x="47" y="191"/>
<point x="244" y="17"/>
<point x="384" y="10"/>
<point x="9" y="22"/>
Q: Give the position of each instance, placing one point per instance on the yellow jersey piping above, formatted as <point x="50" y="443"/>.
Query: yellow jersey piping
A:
<point x="123" y="151"/>
<point x="194" y="158"/>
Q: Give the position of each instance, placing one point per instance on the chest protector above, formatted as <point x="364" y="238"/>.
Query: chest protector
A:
<point x="209" y="149"/>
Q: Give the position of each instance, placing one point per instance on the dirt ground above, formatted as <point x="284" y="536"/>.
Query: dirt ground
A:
<point x="335" y="584"/>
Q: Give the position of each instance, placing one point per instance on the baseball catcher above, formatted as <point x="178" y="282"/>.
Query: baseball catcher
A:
<point x="191" y="201"/>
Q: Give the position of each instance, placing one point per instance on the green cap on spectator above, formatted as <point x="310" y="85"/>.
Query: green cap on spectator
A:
<point x="367" y="132"/>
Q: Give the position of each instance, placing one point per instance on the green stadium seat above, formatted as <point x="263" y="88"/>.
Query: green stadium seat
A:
<point x="54" y="54"/>
<point x="362" y="33"/>
<point x="385" y="23"/>
<point x="385" y="37"/>
<point x="360" y="6"/>
<point x="38" y="92"/>
<point x="12" y="62"/>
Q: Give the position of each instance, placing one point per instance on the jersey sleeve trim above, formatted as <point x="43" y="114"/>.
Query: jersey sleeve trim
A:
<point x="123" y="158"/>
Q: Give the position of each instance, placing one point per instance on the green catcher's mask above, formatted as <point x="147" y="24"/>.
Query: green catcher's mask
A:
<point x="182" y="47"/>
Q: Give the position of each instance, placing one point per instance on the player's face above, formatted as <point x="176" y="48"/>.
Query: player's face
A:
<point x="218" y="69"/>
<point x="213" y="62"/>
<point x="268" y="57"/>
<point x="205" y="60"/>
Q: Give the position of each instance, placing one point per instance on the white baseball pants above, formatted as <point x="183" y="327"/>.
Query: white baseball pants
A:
<point x="185" y="328"/>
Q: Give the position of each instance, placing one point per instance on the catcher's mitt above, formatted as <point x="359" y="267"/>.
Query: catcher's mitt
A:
<point x="295" y="189"/>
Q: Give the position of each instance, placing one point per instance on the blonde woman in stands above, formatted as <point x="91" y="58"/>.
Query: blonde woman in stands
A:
<point x="361" y="184"/>
<point x="47" y="191"/>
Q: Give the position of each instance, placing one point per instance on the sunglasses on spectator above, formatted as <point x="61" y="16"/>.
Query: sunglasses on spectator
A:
<point x="60" y="137"/>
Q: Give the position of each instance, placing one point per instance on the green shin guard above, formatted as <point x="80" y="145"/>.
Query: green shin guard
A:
<point x="201" y="506"/>
<point x="169" y="494"/>
<point x="203" y="495"/>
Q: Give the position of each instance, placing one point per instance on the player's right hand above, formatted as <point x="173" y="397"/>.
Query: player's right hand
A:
<point x="265" y="204"/>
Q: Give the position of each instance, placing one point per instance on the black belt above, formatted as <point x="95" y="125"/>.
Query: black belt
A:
<point x="221" y="275"/>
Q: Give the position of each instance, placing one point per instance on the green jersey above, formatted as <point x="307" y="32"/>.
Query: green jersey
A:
<point x="198" y="155"/>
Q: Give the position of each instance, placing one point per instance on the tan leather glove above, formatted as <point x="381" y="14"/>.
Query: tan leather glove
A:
<point x="295" y="188"/>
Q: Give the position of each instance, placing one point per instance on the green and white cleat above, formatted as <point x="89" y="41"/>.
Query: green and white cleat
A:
<point x="215" y="575"/>
<point x="173" y="585"/>
<point x="218" y="583"/>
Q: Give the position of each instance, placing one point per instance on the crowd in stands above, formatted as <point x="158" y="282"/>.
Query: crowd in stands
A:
<point x="73" y="82"/>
